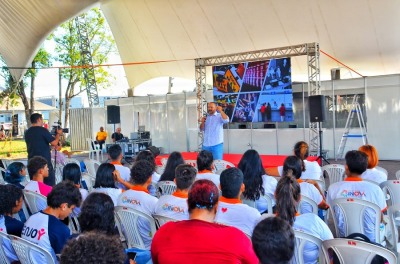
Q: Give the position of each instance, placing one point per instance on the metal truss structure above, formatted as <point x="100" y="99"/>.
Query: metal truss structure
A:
<point x="311" y="50"/>
<point x="87" y="61"/>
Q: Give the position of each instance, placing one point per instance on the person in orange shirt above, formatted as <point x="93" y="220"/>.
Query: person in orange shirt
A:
<point x="101" y="137"/>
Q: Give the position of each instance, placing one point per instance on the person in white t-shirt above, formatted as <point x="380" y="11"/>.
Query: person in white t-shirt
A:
<point x="205" y="165"/>
<point x="230" y="210"/>
<point x="257" y="183"/>
<point x="353" y="186"/>
<point x="371" y="173"/>
<point x="138" y="197"/>
<point x="106" y="177"/>
<point x="115" y="155"/>
<point x="175" y="205"/>
<point x="288" y="195"/>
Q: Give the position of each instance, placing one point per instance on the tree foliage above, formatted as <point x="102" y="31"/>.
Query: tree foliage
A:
<point x="68" y="52"/>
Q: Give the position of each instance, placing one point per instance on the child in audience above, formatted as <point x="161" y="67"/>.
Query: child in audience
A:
<point x="175" y="205"/>
<point x="72" y="173"/>
<point x="115" y="155"/>
<point x="149" y="156"/>
<point x="205" y="165"/>
<point x="273" y="241"/>
<point x="15" y="174"/>
<point x="199" y="239"/>
<point x="11" y="202"/>
<point x="231" y="211"/>
<point x="354" y="187"/>
<point x="138" y="196"/>
<point x="106" y="178"/>
<point x="38" y="170"/>
<point x="174" y="159"/>
<point x="45" y="228"/>
<point x="371" y="173"/>
<point x="256" y="182"/>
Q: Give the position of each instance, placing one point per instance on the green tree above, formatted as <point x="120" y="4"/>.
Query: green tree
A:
<point x="15" y="90"/>
<point x="68" y="52"/>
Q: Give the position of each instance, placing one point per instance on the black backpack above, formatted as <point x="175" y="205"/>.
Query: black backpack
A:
<point x="361" y="237"/>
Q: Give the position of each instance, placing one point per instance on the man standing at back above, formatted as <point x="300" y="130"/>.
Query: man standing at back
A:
<point x="212" y="126"/>
<point x="37" y="140"/>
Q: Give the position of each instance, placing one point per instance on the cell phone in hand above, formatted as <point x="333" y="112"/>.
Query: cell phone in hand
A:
<point x="132" y="255"/>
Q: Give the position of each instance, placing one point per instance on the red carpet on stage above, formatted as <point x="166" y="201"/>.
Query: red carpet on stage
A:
<point x="267" y="160"/>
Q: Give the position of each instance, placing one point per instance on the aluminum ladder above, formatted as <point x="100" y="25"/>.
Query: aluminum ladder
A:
<point x="355" y="110"/>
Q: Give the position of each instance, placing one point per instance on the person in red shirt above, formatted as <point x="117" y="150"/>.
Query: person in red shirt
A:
<point x="199" y="239"/>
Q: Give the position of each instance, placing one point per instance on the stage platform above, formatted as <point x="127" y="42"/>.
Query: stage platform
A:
<point x="267" y="160"/>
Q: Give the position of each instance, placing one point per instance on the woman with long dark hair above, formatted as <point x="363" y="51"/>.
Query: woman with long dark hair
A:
<point x="174" y="159"/>
<point x="256" y="182"/>
<point x="288" y="196"/>
<point x="106" y="177"/>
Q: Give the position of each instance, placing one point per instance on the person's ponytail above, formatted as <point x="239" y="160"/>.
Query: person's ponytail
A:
<point x="287" y="195"/>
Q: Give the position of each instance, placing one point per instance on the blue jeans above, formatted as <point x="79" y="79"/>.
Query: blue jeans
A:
<point x="217" y="150"/>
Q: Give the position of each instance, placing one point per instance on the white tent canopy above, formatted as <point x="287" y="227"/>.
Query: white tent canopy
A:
<point x="359" y="33"/>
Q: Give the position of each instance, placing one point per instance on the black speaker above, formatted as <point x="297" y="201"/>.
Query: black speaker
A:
<point x="113" y="115"/>
<point x="316" y="104"/>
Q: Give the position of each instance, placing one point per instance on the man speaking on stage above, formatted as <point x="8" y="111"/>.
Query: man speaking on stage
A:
<point x="212" y="126"/>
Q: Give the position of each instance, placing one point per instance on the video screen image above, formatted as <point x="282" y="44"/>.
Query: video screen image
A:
<point x="255" y="91"/>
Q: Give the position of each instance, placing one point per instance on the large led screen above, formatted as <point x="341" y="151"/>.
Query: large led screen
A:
<point x="255" y="91"/>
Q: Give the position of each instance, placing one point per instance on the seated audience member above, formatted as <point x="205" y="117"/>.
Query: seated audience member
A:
<point x="354" y="187"/>
<point x="97" y="214"/>
<point x="231" y="211"/>
<point x="371" y="173"/>
<point x="38" y="170"/>
<point x="311" y="169"/>
<point x="293" y="166"/>
<point x="155" y="177"/>
<point x="15" y="174"/>
<point x="72" y="173"/>
<point x="106" y="178"/>
<point x="11" y="202"/>
<point x="204" y="167"/>
<point x="173" y="161"/>
<point x="175" y="205"/>
<point x="115" y="155"/>
<point x="138" y="196"/>
<point x="199" y="239"/>
<point x="45" y="228"/>
<point x="256" y="182"/>
<point x="288" y="196"/>
<point x="273" y="241"/>
<point x="93" y="247"/>
<point x="101" y="137"/>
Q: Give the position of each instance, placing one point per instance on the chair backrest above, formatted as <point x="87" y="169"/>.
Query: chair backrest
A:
<point x="301" y="238"/>
<point x="391" y="188"/>
<point x="127" y="219"/>
<point x="398" y="174"/>
<point x="355" y="251"/>
<point x="5" y="248"/>
<point x="24" y="249"/>
<point x="191" y="162"/>
<point x="393" y="214"/>
<point x="91" y="166"/>
<point x="382" y="170"/>
<point x="306" y="204"/>
<point x="73" y="224"/>
<point x="87" y="181"/>
<point x="353" y="211"/>
<point x="25" y="212"/>
<point x="335" y="172"/>
<point x="72" y="160"/>
<point x="160" y="220"/>
<point x="59" y="173"/>
<point x="268" y="198"/>
<point x="165" y="188"/>
<point x="34" y="201"/>
<point x="221" y="165"/>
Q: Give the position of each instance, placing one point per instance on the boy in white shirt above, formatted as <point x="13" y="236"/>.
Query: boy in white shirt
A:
<point x="175" y="205"/>
<point x="205" y="165"/>
<point x="115" y="155"/>
<point x="230" y="210"/>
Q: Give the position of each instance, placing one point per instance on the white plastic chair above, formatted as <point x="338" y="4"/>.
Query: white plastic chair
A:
<point x="28" y="251"/>
<point x="160" y="220"/>
<point x="73" y="224"/>
<point x="301" y="238"/>
<point x="87" y="181"/>
<point x="191" y="162"/>
<point x="58" y="173"/>
<point x="305" y="203"/>
<point x="127" y="223"/>
<point x="5" y="248"/>
<point x="34" y="201"/>
<point x="382" y="170"/>
<point x="24" y="211"/>
<point x="94" y="149"/>
<point x="265" y="197"/>
<point x="165" y="188"/>
<point x="335" y="172"/>
<point x="391" y="188"/>
<point x="398" y="174"/>
<point x="91" y="166"/>
<point x="393" y="214"/>
<point x="221" y="165"/>
<point x="355" y="251"/>
<point x="353" y="211"/>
